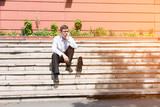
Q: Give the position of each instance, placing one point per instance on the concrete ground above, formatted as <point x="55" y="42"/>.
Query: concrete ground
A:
<point x="86" y="103"/>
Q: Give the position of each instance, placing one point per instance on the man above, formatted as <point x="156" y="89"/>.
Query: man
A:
<point x="63" y="49"/>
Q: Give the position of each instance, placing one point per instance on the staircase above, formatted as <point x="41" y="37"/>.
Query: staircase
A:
<point x="110" y="68"/>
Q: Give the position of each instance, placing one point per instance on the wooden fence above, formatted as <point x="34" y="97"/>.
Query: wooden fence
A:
<point x="116" y="15"/>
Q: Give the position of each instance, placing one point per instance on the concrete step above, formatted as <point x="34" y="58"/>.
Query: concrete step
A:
<point x="79" y="81"/>
<point x="89" y="50"/>
<point x="80" y="49"/>
<point x="111" y="64"/>
<point x="49" y="93"/>
<point x="53" y="87"/>
<point x="138" y="45"/>
<point x="77" y="41"/>
<point x="84" y="55"/>
<point x="75" y="76"/>
<point x="43" y="75"/>
<point x="46" y="68"/>
<point x="6" y="76"/>
<point x="110" y="67"/>
<point x="84" y="72"/>
<point x="89" y="62"/>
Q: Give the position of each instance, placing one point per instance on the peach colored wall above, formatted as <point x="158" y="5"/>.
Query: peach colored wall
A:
<point x="117" y="15"/>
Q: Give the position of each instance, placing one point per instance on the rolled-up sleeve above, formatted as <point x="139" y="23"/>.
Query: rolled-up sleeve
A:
<point x="72" y="43"/>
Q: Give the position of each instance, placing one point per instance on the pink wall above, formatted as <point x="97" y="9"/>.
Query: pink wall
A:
<point x="117" y="15"/>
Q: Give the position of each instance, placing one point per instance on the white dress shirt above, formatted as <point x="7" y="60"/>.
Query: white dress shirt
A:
<point x="60" y="45"/>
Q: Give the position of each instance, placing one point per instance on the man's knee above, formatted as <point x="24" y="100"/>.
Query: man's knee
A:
<point x="71" y="48"/>
<point x="54" y="55"/>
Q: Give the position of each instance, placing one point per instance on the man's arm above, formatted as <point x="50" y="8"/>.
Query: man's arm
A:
<point x="54" y="47"/>
<point x="55" y="50"/>
<point x="72" y="43"/>
<point x="65" y="57"/>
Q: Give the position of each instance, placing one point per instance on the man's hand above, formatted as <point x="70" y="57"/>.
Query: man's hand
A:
<point x="66" y="59"/>
<point x="67" y="37"/>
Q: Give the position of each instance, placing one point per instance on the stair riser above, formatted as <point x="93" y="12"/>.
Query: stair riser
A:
<point x="79" y="50"/>
<point x="79" y="87"/>
<point x="85" y="61"/>
<point x="99" y="55"/>
<point x="39" y="68"/>
<point x="94" y="76"/>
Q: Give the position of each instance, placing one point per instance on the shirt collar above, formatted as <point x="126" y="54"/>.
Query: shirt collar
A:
<point x="61" y="38"/>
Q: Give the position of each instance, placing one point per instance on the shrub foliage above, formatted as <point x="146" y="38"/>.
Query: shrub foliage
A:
<point x="76" y="31"/>
<point x="78" y="25"/>
<point x="28" y="27"/>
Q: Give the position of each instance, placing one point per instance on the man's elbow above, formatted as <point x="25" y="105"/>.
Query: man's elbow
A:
<point x="53" y="50"/>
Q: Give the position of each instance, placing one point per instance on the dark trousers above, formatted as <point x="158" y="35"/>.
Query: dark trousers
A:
<point x="56" y="59"/>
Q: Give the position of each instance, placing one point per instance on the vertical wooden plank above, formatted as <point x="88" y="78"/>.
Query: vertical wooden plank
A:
<point x="157" y="2"/>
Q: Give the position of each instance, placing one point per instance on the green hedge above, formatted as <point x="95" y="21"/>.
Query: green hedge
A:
<point x="76" y="31"/>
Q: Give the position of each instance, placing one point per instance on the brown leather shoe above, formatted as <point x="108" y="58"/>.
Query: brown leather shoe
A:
<point x="69" y="69"/>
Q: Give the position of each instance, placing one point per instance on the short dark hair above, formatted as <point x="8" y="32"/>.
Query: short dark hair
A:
<point x="63" y="27"/>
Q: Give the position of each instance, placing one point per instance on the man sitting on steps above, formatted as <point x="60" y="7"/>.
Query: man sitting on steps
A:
<point x="63" y="49"/>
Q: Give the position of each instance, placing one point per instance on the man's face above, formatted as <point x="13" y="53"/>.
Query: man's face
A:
<point x="64" y="33"/>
